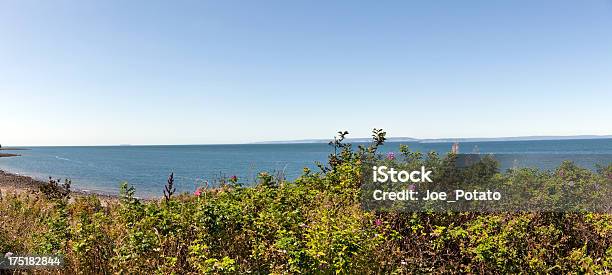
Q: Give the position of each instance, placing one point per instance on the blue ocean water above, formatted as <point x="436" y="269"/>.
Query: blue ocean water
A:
<point x="103" y="168"/>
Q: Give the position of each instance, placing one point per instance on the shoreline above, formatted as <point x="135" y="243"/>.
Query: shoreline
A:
<point x="11" y="183"/>
<point x="12" y="149"/>
<point x="6" y="155"/>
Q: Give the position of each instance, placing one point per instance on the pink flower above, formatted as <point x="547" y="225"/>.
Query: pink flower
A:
<point x="390" y="156"/>
<point x="412" y="187"/>
<point x="234" y="178"/>
<point x="561" y="173"/>
<point x="378" y="222"/>
<point x="197" y="192"/>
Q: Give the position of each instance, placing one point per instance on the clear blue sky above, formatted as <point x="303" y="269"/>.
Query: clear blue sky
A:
<point x="191" y="72"/>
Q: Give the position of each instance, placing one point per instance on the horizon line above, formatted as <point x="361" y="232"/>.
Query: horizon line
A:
<point x="354" y="139"/>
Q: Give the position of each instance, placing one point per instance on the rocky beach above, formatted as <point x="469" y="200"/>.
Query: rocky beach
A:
<point x="14" y="184"/>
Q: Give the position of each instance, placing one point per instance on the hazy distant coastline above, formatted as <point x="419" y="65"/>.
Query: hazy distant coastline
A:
<point x="443" y="140"/>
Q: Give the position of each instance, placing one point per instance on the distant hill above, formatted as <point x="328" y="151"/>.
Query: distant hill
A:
<point x="441" y="140"/>
<point x="353" y="140"/>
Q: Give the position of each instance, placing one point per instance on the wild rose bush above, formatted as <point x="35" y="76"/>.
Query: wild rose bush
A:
<point x="313" y="224"/>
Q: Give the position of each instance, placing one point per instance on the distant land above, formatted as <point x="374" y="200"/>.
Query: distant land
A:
<point x="444" y="140"/>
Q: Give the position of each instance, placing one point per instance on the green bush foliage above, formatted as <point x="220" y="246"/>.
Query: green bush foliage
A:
<point x="314" y="224"/>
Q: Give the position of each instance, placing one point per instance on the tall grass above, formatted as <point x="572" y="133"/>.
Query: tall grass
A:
<point x="313" y="224"/>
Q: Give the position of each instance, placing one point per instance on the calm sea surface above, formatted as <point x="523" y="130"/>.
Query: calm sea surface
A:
<point x="102" y="168"/>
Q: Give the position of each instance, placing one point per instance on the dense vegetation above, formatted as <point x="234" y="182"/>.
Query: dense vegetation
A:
<point x="315" y="223"/>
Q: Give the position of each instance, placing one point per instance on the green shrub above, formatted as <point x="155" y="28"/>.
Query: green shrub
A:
<point x="314" y="224"/>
